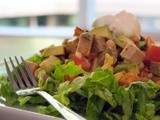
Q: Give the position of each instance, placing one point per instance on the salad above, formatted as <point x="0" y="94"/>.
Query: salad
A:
<point x="109" y="72"/>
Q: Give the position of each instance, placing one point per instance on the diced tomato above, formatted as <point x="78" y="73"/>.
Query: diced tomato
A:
<point x="149" y="41"/>
<point x="79" y="59"/>
<point x="128" y="78"/>
<point x="153" y="53"/>
<point x="78" y="31"/>
<point x="68" y="78"/>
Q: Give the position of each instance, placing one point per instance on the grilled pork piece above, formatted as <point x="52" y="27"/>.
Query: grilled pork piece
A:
<point x="99" y="45"/>
<point x="155" y="68"/>
<point x="95" y="64"/>
<point x="36" y="73"/>
<point x="112" y="50"/>
<point x="132" y="53"/>
<point x="32" y="66"/>
<point x="71" y="45"/>
<point x="85" y="43"/>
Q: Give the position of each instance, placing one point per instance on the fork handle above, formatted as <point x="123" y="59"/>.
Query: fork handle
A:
<point x="65" y="112"/>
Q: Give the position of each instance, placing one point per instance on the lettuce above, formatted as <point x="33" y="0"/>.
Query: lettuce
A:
<point x="48" y="110"/>
<point x="66" y="87"/>
<point x="69" y="69"/>
<point x="94" y="107"/>
<point x="95" y="95"/>
<point x="7" y="91"/>
<point x="35" y="58"/>
<point x="105" y="99"/>
<point x="144" y="93"/>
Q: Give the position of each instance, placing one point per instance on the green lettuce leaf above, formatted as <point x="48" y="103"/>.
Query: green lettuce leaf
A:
<point x="94" y="108"/>
<point x="106" y="78"/>
<point x="7" y="91"/>
<point x="48" y="110"/>
<point x="68" y="87"/>
<point x="58" y="72"/>
<point x="144" y="93"/>
<point x="35" y="58"/>
<point x="69" y="69"/>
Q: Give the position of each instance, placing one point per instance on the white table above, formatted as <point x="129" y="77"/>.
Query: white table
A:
<point x="21" y="46"/>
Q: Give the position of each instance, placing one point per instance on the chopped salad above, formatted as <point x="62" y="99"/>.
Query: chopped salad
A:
<point x="109" y="72"/>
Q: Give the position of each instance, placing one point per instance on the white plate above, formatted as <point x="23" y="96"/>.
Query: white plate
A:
<point x="10" y="113"/>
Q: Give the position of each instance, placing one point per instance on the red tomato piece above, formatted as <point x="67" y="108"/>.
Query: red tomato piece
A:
<point x="68" y="78"/>
<point x="149" y="41"/>
<point x="153" y="53"/>
<point x="79" y="59"/>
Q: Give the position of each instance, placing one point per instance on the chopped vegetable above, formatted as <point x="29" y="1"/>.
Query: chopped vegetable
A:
<point x="48" y="64"/>
<point x="128" y="78"/>
<point x="122" y="41"/>
<point x="153" y="53"/>
<point x="149" y="41"/>
<point x="53" y="50"/>
<point x="102" y="31"/>
<point x="141" y="45"/>
<point x="79" y="59"/>
<point x="78" y="31"/>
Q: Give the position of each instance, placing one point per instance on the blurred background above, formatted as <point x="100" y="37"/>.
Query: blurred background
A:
<point x="29" y="25"/>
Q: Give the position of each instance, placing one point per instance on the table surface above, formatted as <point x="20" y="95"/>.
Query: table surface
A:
<point x="21" y="46"/>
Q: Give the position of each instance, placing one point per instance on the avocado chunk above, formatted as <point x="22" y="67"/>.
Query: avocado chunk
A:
<point x="48" y="64"/>
<point x="102" y="31"/>
<point x="127" y="67"/>
<point x="53" y="50"/>
<point x="122" y="41"/>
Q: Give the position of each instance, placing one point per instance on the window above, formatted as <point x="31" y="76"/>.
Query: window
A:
<point x="148" y="11"/>
<point x="58" y="18"/>
<point x="38" y="17"/>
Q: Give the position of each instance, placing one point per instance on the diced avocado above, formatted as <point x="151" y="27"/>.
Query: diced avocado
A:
<point x="53" y="50"/>
<point x="102" y="31"/>
<point x="35" y="58"/>
<point x="122" y="41"/>
<point x="108" y="62"/>
<point x="48" y="64"/>
<point x="122" y="67"/>
<point x="142" y="45"/>
<point x="127" y="67"/>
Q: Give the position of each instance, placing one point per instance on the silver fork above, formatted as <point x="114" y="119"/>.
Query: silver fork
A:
<point x="27" y="85"/>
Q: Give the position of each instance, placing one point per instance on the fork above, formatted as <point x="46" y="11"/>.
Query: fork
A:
<point x="27" y="85"/>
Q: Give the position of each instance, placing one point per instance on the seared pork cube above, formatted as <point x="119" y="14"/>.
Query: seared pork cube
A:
<point x="155" y="68"/>
<point x="133" y="54"/>
<point x="71" y="45"/>
<point x="101" y="58"/>
<point x="99" y="45"/>
<point x="112" y="50"/>
<point x="48" y="64"/>
<point x="32" y="66"/>
<point x="94" y="64"/>
<point x="37" y="72"/>
<point x="85" y="43"/>
<point x="42" y="50"/>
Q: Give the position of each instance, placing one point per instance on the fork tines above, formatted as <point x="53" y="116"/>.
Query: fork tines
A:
<point x="22" y="78"/>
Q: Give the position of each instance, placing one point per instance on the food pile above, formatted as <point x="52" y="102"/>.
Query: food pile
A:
<point x="130" y="57"/>
<point x="107" y="72"/>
